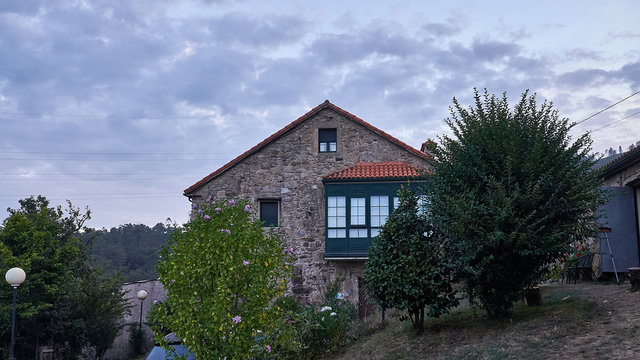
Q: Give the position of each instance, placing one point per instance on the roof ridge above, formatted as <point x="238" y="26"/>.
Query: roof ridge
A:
<point x="324" y="105"/>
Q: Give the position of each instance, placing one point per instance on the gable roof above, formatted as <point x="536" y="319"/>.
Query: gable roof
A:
<point x="375" y="170"/>
<point x="325" y="105"/>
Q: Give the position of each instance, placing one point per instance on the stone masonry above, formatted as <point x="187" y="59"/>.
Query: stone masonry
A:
<point x="289" y="168"/>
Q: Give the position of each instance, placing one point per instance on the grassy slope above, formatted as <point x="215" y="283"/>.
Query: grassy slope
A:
<point x="583" y="321"/>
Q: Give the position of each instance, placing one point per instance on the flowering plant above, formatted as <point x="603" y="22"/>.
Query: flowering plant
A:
<point x="222" y="272"/>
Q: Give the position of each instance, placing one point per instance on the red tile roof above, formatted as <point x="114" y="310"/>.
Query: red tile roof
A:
<point x="279" y="133"/>
<point x="375" y="170"/>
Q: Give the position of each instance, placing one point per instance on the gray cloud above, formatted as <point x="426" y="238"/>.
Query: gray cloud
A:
<point x="147" y="87"/>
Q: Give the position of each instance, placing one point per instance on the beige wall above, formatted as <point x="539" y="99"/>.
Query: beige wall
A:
<point x="121" y="348"/>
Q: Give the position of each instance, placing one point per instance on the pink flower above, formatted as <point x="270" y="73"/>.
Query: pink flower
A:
<point x="236" y="319"/>
<point x="268" y="348"/>
<point x="217" y="209"/>
<point x="246" y="208"/>
<point x="245" y="262"/>
<point x="228" y="231"/>
<point x="194" y="206"/>
<point x="232" y="202"/>
<point x="207" y="217"/>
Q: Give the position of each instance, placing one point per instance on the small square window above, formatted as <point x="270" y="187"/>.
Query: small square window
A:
<point x="269" y="212"/>
<point x="327" y="140"/>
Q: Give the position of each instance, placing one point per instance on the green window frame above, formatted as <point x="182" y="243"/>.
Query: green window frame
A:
<point x="355" y="212"/>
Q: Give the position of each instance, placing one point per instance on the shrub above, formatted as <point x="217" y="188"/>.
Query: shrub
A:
<point x="511" y="191"/>
<point x="222" y="272"/>
<point x="407" y="267"/>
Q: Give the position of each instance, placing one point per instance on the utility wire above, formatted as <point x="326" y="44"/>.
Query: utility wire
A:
<point x="607" y="108"/>
<point x="613" y="122"/>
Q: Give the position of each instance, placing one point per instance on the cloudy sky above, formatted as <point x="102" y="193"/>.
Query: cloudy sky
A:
<point x="121" y="105"/>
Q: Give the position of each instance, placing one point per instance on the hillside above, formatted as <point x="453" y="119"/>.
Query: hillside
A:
<point x="130" y="249"/>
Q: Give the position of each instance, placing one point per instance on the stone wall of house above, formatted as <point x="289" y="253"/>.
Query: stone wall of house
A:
<point x="290" y="169"/>
<point x="122" y="348"/>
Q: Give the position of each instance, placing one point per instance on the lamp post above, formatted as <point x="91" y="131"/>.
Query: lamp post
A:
<point x="141" y="295"/>
<point x="14" y="276"/>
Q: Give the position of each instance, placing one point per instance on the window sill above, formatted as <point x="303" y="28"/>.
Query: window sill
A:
<point x="334" y="257"/>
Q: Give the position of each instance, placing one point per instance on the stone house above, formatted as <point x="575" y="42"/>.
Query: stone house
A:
<point x="328" y="181"/>
<point x="621" y="215"/>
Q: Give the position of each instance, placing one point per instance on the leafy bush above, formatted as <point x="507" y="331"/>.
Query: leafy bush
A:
<point x="305" y="332"/>
<point x="222" y="272"/>
<point x="511" y="191"/>
<point x="407" y="267"/>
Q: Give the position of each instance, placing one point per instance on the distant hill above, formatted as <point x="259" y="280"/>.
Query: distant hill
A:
<point x="131" y="249"/>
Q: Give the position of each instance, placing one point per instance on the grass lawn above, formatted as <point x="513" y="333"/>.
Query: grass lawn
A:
<point x="588" y="320"/>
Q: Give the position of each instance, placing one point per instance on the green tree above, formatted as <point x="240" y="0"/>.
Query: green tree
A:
<point x="131" y="249"/>
<point x="407" y="267"/>
<point x="52" y="311"/>
<point x="511" y="192"/>
<point x="222" y="272"/>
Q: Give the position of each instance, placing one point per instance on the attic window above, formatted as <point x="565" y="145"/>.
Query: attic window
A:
<point x="327" y="140"/>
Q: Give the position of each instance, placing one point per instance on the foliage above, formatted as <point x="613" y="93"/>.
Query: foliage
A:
<point x="511" y="192"/>
<point x="131" y="250"/>
<point x="154" y="319"/>
<point x="407" y="266"/>
<point x="221" y="273"/>
<point x="63" y="302"/>
<point x="137" y="340"/>
<point x="305" y="332"/>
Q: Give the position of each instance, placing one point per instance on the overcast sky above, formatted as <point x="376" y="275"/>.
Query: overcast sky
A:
<point x="121" y="105"/>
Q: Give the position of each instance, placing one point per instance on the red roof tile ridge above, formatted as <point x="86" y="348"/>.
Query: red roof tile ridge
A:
<point x="274" y="136"/>
<point x="373" y="170"/>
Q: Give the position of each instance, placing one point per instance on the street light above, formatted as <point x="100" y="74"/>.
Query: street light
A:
<point x="14" y="276"/>
<point x="141" y="296"/>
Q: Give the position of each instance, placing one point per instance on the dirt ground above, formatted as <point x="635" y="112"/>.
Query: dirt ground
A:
<point x="613" y="331"/>
<point x="587" y="320"/>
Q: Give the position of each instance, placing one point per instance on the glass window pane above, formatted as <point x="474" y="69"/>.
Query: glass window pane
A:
<point x="269" y="213"/>
<point x="395" y="202"/>
<point x="331" y="233"/>
<point x="342" y="221"/>
<point x="332" y="147"/>
<point x="375" y="232"/>
<point x="341" y="233"/>
<point x="332" y="201"/>
<point x="342" y="201"/>
<point x="357" y="211"/>
<point x="375" y="221"/>
<point x="323" y="147"/>
<point x="332" y="222"/>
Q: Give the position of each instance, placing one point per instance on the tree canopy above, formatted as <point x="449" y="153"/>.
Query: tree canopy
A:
<point x="64" y="301"/>
<point x="511" y="191"/>
<point x="131" y="250"/>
